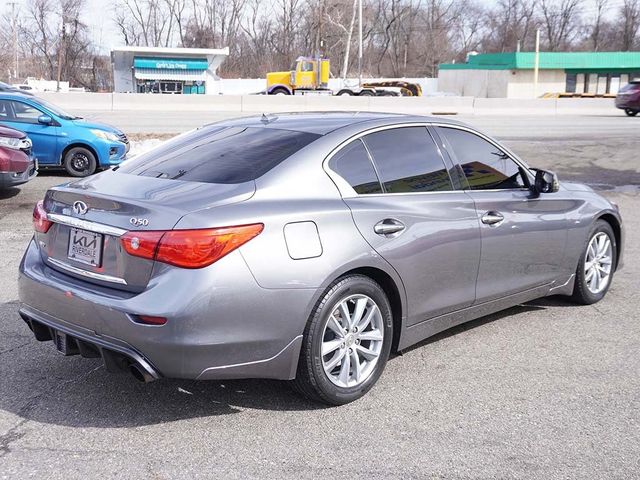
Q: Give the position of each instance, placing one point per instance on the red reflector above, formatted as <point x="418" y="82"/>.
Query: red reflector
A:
<point x="189" y="248"/>
<point x="141" y="244"/>
<point x="41" y="223"/>
<point x="149" y="319"/>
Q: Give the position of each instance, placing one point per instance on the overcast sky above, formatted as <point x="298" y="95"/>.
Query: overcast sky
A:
<point x="98" y="16"/>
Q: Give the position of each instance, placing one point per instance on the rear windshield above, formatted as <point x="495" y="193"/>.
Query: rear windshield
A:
<point x="219" y="154"/>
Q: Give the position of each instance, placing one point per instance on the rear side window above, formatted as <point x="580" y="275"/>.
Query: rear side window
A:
<point x="353" y="164"/>
<point x="408" y="160"/>
<point x="485" y="165"/>
<point x="219" y="154"/>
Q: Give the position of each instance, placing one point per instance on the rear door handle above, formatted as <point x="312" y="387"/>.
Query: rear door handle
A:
<point x="492" y="218"/>
<point x="388" y="227"/>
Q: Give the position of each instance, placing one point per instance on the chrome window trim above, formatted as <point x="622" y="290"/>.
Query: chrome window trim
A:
<point x="86" y="225"/>
<point x="509" y="153"/>
<point x="85" y="273"/>
<point x="347" y="191"/>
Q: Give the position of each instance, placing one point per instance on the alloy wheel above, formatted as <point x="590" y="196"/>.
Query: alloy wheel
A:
<point x="597" y="264"/>
<point x="352" y="341"/>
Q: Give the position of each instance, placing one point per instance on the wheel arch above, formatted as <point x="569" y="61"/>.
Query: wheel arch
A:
<point x="391" y="290"/>
<point x="617" y="231"/>
<point x="81" y="145"/>
<point x="274" y="88"/>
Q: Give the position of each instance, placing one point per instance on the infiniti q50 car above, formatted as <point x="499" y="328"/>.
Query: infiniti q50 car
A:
<point x="305" y="247"/>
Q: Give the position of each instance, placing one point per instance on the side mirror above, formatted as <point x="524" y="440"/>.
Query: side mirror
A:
<point x="546" y="182"/>
<point x="45" y="120"/>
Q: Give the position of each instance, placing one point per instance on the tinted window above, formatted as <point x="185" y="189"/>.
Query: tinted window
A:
<point x="12" y="111"/>
<point x="353" y="164"/>
<point x="219" y="154"/>
<point x="485" y="165"/>
<point x="25" y="113"/>
<point x="408" y="160"/>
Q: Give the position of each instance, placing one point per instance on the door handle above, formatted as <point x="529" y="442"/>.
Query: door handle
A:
<point x="492" y="218"/>
<point x="388" y="227"/>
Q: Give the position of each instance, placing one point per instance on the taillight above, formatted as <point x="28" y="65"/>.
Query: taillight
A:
<point x="189" y="248"/>
<point x="41" y="223"/>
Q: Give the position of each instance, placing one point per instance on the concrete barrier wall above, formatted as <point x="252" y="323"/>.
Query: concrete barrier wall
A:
<point x="281" y="103"/>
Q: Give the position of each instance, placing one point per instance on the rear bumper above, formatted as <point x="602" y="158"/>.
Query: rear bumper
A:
<point x="73" y="340"/>
<point x="221" y="324"/>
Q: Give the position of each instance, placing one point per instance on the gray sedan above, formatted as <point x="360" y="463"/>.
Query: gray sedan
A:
<point x="305" y="247"/>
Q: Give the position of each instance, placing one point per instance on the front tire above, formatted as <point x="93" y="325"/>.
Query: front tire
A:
<point x="346" y="342"/>
<point x="596" y="265"/>
<point x="80" y="162"/>
<point x="631" y="112"/>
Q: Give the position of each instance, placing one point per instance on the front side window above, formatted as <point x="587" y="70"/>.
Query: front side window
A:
<point x="353" y="164"/>
<point x="306" y="67"/>
<point x="21" y="112"/>
<point x="218" y="154"/>
<point x="408" y="160"/>
<point x="485" y="166"/>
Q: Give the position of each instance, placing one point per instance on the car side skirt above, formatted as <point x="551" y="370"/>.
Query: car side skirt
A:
<point x="420" y="331"/>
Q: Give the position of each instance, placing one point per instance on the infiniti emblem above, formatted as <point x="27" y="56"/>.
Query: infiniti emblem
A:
<point x="80" y="208"/>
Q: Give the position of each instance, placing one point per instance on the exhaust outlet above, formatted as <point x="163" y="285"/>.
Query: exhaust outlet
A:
<point x="140" y="374"/>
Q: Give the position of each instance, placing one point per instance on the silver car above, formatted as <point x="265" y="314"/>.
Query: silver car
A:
<point x="305" y="247"/>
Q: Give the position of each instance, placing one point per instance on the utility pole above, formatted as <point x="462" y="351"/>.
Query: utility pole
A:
<point x="359" y="43"/>
<point x="536" y="65"/>
<point x="14" y="15"/>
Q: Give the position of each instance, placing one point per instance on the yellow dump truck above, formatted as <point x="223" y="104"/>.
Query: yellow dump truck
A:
<point x="310" y="76"/>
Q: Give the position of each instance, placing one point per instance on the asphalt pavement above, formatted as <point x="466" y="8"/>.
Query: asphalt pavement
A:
<point x="541" y="391"/>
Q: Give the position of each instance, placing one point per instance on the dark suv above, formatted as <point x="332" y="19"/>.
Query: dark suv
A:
<point x="628" y="98"/>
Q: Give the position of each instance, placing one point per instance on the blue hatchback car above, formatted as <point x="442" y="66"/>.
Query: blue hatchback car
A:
<point x="61" y="139"/>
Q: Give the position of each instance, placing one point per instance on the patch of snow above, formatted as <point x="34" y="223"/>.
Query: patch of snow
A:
<point x="139" y="147"/>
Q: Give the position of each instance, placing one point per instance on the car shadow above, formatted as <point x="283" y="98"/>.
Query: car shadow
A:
<point x="72" y="391"/>
<point x="472" y="324"/>
<point x="10" y="192"/>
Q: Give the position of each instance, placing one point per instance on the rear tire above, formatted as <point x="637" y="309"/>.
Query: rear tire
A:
<point x="366" y="93"/>
<point x="329" y="350"/>
<point x="588" y="289"/>
<point x="344" y="93"/>
<point x="80" y="162"/>
<point x="631" y="112"/>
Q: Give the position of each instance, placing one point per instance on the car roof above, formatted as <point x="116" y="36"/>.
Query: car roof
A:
<point x="322" y="123"/>
<point x="16" y="95"/>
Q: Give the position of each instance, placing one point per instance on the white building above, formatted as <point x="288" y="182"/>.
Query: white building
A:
<point x="167" y="70"/>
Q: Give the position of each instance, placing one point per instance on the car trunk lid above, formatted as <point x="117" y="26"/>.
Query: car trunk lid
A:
<point x="91" y="214"/>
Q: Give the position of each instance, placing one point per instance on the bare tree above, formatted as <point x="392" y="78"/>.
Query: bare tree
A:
<point x="595" y="34"/>
<point x="630" y="13"/>
<point x="148" y="22"/>
<point x="560" y="22"/>
<point x="509" y="25"/>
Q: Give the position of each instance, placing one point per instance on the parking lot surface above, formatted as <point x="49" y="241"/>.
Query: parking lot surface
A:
<point x="543" y="390"/>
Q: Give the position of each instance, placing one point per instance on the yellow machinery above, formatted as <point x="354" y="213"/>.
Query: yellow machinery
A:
<point x="310" y="75"/>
